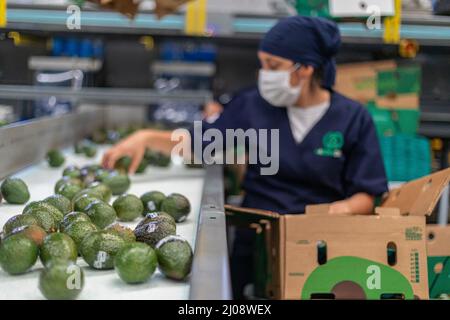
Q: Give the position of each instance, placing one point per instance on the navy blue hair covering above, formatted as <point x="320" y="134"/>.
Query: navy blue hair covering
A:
<point x="306" y="40"/>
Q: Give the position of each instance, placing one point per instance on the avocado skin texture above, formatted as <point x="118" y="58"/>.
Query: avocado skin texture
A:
<point x="73" y="217"/>
<point x="17" y="221"/>
<point x="15" y="191"/>
<point x="55" y="158"/>
<point x="128" y="207"/>
<point x="58" y="246"/>
<point x="158" y="216"/>
<point x="18" y="254"/>
<point x="175" y="259"/>
<point x="152" y="200"/>
<point x="69" y="190"/>
<point x="43" y="206"/>
<point x="151" y="232"/>
<point x="102" y="189"/>
<point x="101" y="214"/>
<point x="83" y="202"/>
<point x="78" y="230"/>
<point x="45" y="220"/>
<point x="32" y="232"/>
<point x="118" y="183"/>
<point x="122" y="231"/>
<point x="72" y="172"/>
<point x="65" y="180"/>
<point x="54" y="278"/>
<point x="99" y="249"/>
<point x="177" y="205"/>
<point x="59" y="202"/>
<point x="135" y="262"/>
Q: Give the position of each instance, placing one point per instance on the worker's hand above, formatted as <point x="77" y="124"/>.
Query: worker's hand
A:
<point x="340" y="208"/>
<point x="133" y="146"/>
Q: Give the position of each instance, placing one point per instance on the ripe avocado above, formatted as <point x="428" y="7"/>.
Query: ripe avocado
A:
<point x="78" y="230"/>
<point x="83" y="202"/>
<point x="43" y="206"/>
<point x="123" y="164"/>
<point x="59" y="202"/>
<point x="101" y="214"/>
<point x="177" y="205"/>
<point x="157" y="216"/>
<point x="45" y="220"/>
<point x="99" y="249"/>
<point x="19" y="221"/>
<point x="128" y="207"/>
<point x="15" y="191"/>
<point x="65" y="180"/>
<point x="55" y="158"/>
<point x="174" y="257"/>
<point x="72" y="172"/>
<point x="122" y="231"/>
<point x="33" y="232"/>
<point x="73" y="217"/>
<point x="151" y="232"/>
<point x="61" y="280"/>
<point x="58" y="246"/>
<point x="118" y="183"/>
<point x="101" y="188"/>
<point x="18" y="254"/>
<point x="152" y="200"/>
<point x="135" y="262"/>
<point x="69" y="190"/>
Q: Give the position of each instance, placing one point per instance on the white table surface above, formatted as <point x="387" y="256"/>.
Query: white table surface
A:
<point x="106" y="284"/>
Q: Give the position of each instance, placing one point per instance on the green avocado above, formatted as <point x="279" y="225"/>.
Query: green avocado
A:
<point x="18" y="254"/>
<point x="135" y="262"/>
<point x="78" y="230"/>
<point x="102" y="189"/>
<point x="99" y="249"/>
<point x="174" y="257"/>
<point x="66" y="180"/>
<point x="59" y="202"/>
<point x="44" y="206"/>
<point x="142" y="166"/>
<point x="19" y="220"/>
<point x="15" y="191"/>
<point x="58" y="246"/>
<point x="32" y="232"/>
<point x="152" y="200"/>
<point x="69" y="190"/>
<point x="83" y="202"/>
<point x="152" y="231"/>
<point x="101" y="214"/>
<point x="118" y="183"/>
<point x="123" y="164"/>
<point x="45" y="220"/>
<point x="90" y="150"/>
<point x="61" y="280"/>
<point x="177" y="205"/>
<point x="73" y="217"/>
<point x="55" y="158"/>
<point x="72" y="172"/>
<point x="125" y="233"/>
<point x="128" y="207"/>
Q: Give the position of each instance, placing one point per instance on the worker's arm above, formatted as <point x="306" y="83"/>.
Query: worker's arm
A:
<point x="135" y="145"/>
<point x="359" y="203"/>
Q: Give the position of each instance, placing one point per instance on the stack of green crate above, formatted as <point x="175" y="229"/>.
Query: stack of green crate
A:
<point x="389" y="122"/>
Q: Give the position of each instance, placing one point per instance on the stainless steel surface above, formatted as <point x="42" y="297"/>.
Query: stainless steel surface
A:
<point x="25" y="143"/>
<point x="210" y="279"/>
<point x="104" y="95"/>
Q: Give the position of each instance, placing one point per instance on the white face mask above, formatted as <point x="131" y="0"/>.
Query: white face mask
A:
<point x="275" y="87"/>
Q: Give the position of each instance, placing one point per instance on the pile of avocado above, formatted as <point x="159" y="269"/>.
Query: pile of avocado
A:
<point x="78" y="220"/>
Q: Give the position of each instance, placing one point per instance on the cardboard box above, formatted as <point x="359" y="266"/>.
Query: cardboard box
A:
<point x="379" y="256"/>
<point x="438" y="247"/>
<point x="358" y="81"/>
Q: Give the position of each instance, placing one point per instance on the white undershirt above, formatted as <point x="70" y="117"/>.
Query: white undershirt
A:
<point x="302" y="119"/>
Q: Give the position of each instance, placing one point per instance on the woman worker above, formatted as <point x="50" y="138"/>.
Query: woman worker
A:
<point x="328" y="148"/>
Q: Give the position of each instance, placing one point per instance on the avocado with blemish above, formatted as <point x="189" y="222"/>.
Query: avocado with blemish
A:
<point x="128" y="207"/>
<point x="174" y="257"/>
<point x="59" y="202"/>
<point x="55" y="158"/>
<point x="152" y="201"/>
<point x="19" y="220"/>
<point x="177" y="205"/>
<point x="101" y="214"/>
<point x="15" y="191"/>
<point x="33" y="232"/>
<point x="135" y="262"/>
<point x="18" y="254"/>
<point x="153" y="231"/>
<point x="79" y="230"/>
<point x="41" y="205"/>
<point x="99" y="249"/>
<point x="125" y="233"/>
<point x="45" y="220"/>
<point x="58" y="246"/>
<point x="73" y="217"/>
<point x="61" y="280"/>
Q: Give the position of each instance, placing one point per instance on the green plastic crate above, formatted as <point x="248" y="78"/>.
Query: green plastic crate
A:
<point x="313" y="8"/>
<point x="389" y="122"/>
<point x="402" y="80"/>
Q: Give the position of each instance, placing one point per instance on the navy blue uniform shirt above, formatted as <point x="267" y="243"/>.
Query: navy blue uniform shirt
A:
<point x="339" y="157"/>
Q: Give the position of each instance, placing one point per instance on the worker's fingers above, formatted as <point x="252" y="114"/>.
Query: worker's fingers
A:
<point x="105" y="158"/>
<point x="137" y="158"/>
<point x="112" y="158"/>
